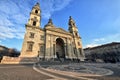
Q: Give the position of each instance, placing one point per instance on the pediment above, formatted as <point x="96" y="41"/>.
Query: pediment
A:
<point x="60" y="30"/>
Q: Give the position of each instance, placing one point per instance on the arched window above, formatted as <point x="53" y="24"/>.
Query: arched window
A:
<point x="34" y="23"/>
<point x="36" y="11"/>
<point x="76" y="34"/>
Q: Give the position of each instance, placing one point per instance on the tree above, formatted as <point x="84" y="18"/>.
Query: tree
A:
<point x="12" y="52"/>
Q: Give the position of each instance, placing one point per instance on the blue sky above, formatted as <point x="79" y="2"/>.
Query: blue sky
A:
<point x="98" y="21"/>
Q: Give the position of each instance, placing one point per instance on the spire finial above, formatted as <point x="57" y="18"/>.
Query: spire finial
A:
<point x="71" y="21"/>
<point x="37" y="3"/>
<point x="70" y="17"/>
<point x="50" y="21"/>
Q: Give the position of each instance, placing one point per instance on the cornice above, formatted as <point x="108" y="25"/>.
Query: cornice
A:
<point x="60" y="30"/>
<point x="33" y="27"/>
<point x="35" y="7"/>
<point x="35" y="14"/>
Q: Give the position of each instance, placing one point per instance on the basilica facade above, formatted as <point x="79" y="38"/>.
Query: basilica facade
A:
<point x="51" y="42"/>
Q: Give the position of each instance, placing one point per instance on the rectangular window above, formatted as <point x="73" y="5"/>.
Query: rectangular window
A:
<point x="41" y="37"/>
<point x="80" y="51"/>
<point x="30" y="46"/>
<point x="31" y="35"/>
<point x="78" y="43"/>
<point x="42" y="48"/>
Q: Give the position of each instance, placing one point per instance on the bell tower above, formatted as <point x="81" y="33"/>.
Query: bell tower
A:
<point x="72" y="27"/>
<point x="77" y="43"/>
<point x="32" y="41"/>
<point x="35" y="17"/>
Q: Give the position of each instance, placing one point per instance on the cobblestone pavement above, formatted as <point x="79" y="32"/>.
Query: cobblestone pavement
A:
<point x="63" y="75"/>
<point x="108" y="71"/>
<point x="83" y="69"/>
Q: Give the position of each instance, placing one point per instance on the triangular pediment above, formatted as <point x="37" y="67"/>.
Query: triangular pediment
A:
<point x="60" y="30"/>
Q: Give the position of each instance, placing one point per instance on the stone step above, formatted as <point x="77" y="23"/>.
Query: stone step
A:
<point x="18" y="60"/>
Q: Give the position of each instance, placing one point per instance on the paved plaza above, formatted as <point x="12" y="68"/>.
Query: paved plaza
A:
<point x="70" y="71"/>
<point x="20" y="72"/>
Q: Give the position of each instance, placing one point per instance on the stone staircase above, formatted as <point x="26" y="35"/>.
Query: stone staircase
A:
<point x="18" y="60"/>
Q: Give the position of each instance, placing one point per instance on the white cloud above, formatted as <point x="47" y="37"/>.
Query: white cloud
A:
<point x="113" y="38"/>
<point x="104" y="40"/>
<point x="99" y="39"/>
<point x="50" y="6"/>
<point x="8" y="7"/>
<point x="4" y="20"/>
<point x="14" y="14"/>
<point x="91" y="45"/>
<point x="19" y="18"/>
<point x="12" y="20"/>
<point x="95" y="42"/>
<point x="10" y="32"/>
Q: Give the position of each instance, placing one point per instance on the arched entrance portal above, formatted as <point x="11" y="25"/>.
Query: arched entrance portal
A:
<point x="60" y="52"/>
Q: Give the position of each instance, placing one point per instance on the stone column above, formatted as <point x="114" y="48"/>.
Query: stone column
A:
<point x="47" y="53"/>
<point x="72" y="49"/>
<point x="69" y="48"/>
<point x="51" y="47"/>
<point x="65" y="48"/>
<point x="54" y="47"/>
<point x="55" y="50"/>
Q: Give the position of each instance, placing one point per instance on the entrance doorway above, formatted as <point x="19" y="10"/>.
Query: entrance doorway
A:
<point x="60" y="52"/>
